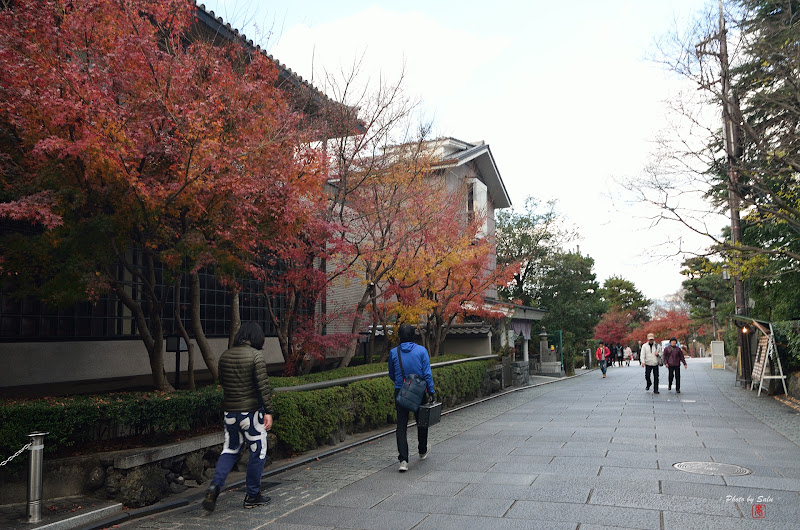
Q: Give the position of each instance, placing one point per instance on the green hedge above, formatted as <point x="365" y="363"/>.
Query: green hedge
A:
<point x="303" y="420"/>
<point x="76" y="420"/>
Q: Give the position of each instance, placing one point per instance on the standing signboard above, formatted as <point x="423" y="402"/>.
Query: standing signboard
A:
<point x="767" y="350"/>
<point x="717" y="355"/>
<point x="760" y="360"/>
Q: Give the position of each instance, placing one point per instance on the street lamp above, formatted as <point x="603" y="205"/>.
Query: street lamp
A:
<point x="714" y="317"/>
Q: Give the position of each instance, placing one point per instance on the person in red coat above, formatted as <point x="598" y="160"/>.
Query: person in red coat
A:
<point x="602" y="354"/>
<point x="673" y="357"/>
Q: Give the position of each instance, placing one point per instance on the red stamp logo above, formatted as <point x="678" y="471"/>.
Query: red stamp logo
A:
<point x="759" y="511"/>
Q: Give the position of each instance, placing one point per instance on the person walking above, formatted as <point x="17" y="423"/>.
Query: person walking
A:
<point x="618" y="348"/>
<point x="648" y="357"/>
<point x="628" y="353"/>
<point x="415" y="361"/>
<point x="673" y="357"/>
<point x="247" y="405"/>
<point x="602" y="354"/>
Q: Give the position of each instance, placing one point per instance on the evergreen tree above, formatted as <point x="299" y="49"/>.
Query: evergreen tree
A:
<point x="568" y="289"/>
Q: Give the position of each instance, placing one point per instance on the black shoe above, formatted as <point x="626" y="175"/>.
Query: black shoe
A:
<point x="258" y="500"/>
<point x="210" y="502"/>
<point x="669" y="387"/>
<point x="678" y="391"/>
<point x="647" y="387"/>
<point x="656" y="392"/>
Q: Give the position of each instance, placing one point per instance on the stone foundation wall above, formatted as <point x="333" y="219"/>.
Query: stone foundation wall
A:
<point x="520" y="374"/>
<point x="493" y="380"/>
<point x="108" y="476"/>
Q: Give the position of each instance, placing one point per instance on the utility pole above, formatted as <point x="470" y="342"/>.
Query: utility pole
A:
<point x="733" y="148"/>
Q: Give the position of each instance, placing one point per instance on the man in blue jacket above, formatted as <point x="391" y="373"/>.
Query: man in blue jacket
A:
<point x="415" y="361"/>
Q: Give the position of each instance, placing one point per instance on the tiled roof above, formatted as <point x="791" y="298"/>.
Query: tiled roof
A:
<point x="223" y="29"/>
<point x="478" y="329"/>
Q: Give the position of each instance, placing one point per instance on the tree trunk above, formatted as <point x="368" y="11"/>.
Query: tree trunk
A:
<point x="236" y="318"/>
<point x="185" y="335"/>
<point x="197" y="327"/>
<point x="160" y="380"/>
<point x="153" y="344"/>
<point x="375" y="320"/>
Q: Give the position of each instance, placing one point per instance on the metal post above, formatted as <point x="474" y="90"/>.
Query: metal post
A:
<point x="34" y="510"/>
<point x="178" y="368"/>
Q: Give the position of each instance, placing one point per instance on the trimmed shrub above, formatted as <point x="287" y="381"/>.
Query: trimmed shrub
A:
<point x="303" y="420"/>
<point x="77" y="420"/>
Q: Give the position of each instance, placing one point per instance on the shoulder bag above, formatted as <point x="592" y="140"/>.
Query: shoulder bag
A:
<point x="413" y="389"/>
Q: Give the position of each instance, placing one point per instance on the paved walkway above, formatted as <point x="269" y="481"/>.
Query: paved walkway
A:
<point x="583" y="453"/>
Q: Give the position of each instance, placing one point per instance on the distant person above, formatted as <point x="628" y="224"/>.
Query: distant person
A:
<point x="602" y="354"/>
<point x="415" y="361"/>
<point x="673" y="357"/>
<point x="627" y="355"/>
<point x="619" y="353"/>
<point x="648" y="357"/>
<point x="247" y="402"/>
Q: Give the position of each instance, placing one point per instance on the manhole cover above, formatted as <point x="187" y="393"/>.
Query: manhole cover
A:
<point x="711" y="468"/>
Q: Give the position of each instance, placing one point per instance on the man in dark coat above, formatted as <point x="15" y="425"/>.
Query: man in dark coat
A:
<point x="673" y="357"/>
<point x="247" y="402"/>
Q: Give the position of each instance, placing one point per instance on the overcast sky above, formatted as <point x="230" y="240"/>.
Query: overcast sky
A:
<point x="561" y="91"/>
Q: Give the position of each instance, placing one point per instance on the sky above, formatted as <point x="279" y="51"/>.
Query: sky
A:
<point x="563" y="93"/>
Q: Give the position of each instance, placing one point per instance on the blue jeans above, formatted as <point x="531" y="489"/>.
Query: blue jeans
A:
<point x="603" y="366"/>
<point x="238" y="427"/>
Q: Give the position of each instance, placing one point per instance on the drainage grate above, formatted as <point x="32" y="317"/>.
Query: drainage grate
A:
<point x="712" y="468"/>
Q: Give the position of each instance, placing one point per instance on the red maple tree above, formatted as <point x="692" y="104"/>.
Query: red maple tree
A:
<point x="664" y="325"/>
<point x="127" y="141"/>
<point x="613" y="327"/>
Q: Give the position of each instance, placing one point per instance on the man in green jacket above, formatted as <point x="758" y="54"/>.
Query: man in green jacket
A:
<point x="247" y="403"/>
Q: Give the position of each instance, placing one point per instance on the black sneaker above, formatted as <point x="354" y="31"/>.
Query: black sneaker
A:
<point x="210" y="502"/>
<point x="656" y="392"/>
<point x="258" y="500"/>
<point x="678" y="391"/>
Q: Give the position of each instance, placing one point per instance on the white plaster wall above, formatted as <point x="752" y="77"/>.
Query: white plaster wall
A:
<point x="31" y="363"/>
<point x="475" y="346"/>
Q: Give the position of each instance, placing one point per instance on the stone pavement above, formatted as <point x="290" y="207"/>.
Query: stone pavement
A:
<point x="581" y="453"/>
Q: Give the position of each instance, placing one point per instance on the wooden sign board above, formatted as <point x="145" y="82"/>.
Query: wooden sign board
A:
<point x="761" y="358"/>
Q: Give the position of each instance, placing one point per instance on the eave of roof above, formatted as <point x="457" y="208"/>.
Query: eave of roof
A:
<point x="469" y="328"/>
<point x="521" y="312"/>
<point x="482" y="155"/>
<point x="314" y="100"/>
